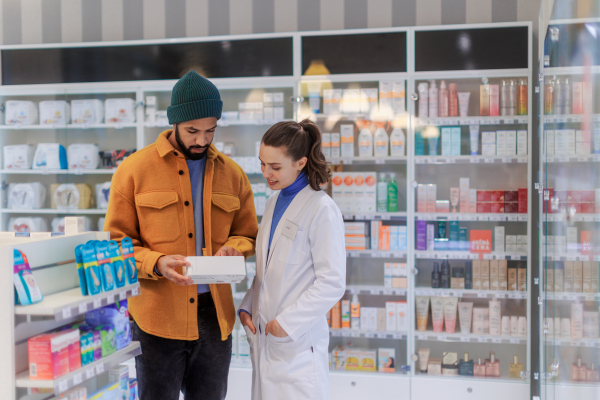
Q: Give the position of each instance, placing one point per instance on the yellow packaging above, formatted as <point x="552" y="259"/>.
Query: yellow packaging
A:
<point x="368" y="360"/>
<point x="494" y="275"/>
<point x="578" y="276"/>
<point x="502" y="275"/>
<point x="353" y="357"/>
<point x="522" y="279"/>
<point x="485" y="274"/>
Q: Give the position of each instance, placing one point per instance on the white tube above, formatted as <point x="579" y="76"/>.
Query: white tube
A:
<point x="474" y="137"/>
<point x="505" y="325"/>
<point x="463" y="103"/>
<point x="437" y="313"/>
<point x="423" y="359"/>
<point x="450" y="304"/>
<point x="422" y="312"/>
<point x="465" y="315"/>
<point x="495" y="318"/>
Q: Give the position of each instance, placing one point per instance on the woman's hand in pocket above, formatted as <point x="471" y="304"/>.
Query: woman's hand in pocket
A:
<point x="275" y="329"/>
<point x="246" y="320"/>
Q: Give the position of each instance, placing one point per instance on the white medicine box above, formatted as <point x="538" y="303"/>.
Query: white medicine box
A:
<point x="55" y="112"/>
<point x="119" y="111"/>
<point x="21" y="112"/>
<point x="207" y="270"/>
<point x="18" y="156"/>
<point x="87" y="111"/>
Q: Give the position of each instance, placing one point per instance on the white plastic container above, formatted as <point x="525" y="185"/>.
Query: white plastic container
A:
<point x="397" y="142"/>
<point x="27" y="224"/>
<point x="84" y="156"/>
<point x="26" y="196"/>
<point x="87" y="111"/>
<point x="365" y="143"/>
<point x="381" y="143"/>
<point x="119" y="111"/>
<point x="18" y="156"/>
<point x="55" y="112"/>
<point x="102" y="194"/>
<point x="21" y="112"/>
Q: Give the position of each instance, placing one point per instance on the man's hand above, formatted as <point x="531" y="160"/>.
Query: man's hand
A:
<point x="275" y="329"/>
<point x="166" y="266"/>
<point x="228" y="252"/>
<point x="246" y="320"/>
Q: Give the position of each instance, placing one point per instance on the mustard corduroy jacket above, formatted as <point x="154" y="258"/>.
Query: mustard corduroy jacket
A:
<point x="151" y="202"/>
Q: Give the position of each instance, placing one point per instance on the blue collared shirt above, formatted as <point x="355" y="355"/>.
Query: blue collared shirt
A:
<point x="196" y="168"/>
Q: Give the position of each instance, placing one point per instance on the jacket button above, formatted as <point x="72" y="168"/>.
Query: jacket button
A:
<point x="191" y="235"/>
<point x="175" y="153"/>
<point x="149" y="276"/>
<point x="180" y="172"/>
<point x="187" y="203"/>
<point x="192" y="300"/>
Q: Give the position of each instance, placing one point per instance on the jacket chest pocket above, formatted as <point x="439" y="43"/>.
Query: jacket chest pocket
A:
<point x="158" y="216"/>
<point x="224" y="208"/>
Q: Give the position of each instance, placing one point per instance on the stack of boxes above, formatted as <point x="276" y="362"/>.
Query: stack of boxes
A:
<point x="498" y="275"/>
<point x="581" y="201"/>
<point x="355" y="192"/>
<point x="571" y="142"/>
<point x="392" y="318"/>
<point x="395" y="275"/>
<point x="573" y="276"/>
<point x="504" y="143"/>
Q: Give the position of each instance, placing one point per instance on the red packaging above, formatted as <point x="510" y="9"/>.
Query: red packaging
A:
<point x="548" y="203"/>
<point x="497" y="207"/>
<point x="511" y="196"/>
<point x="511" y="208"/>
<point x="576" y="206"/>
<point x="523" y="200"/>
<point x="587" y="196"/>
<point x="574" y="196"/>
<point x="48" y="356"/>
<point x="588" y="208"/>
<point x="484" y="195"/>
<point x="484" y="207"/>
<point x="497" y="195"/>
<point x="587" y="243"/>
<point x="561" y="195"/>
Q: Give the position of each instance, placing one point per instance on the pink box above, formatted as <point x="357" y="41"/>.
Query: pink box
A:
<point x="587" y="196"/>
<point x="497" y="195"/>
<point x="574" y="196"/>
<point x="442" y="206"/>
<point x="48" y="356"/>
<point x="484" y="195"/>
<point x="484" y="207"/>
<point x="523" y="200"/>
<point x="497" y="207"/>
<point x="511" y="196"/>
<point x="74" y="349"/>
<point x="548" y="203"/>
<point x="576" y="206"/>
<point x="588" y="208"/>
<point x="511" y="208"/>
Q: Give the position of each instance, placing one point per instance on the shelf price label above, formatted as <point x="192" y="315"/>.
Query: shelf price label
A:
<point x="379" y="161"/>
<point x="135" y="291"/>
<point x="66" y="312"/>
<point x="514" y="341"/>
<point x="77" y="379"/>
<point x="589" y="344"/>
<point x="369" y="335"/>
<point x="99" y="368"/>
<point x="122" y="295"/>
<point x="336" y="333"/>
<point x="497" y="340"/>
<point x="110" y="299"/>
<point x="421" y="337"/>
<point x="474" y="160"/>
<point x="83" y="308"/>
<point x="482" y="295"/>
<point x="63" y="386"/>
<point x="97" y="303"/>
<point x="354" y="334"/>
<point x="482" y="339"/>
<point x="488" y="160"/>
<point x="381" y="335"/>
<point x="89" y="373"/>
<point x="398" y="336"/>
<point x="465" y="339"/>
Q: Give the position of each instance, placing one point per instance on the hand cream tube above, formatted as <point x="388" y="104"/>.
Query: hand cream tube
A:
<point x="450" y="304"/>
<point x="423" y="360"/>
<point x="437" y="313"/>
<point x="463" y="103"/>
<point x="495" y="318"/>
<point x="474" y="137"/>
<point x="465" y="314"/>
<point x="422" y="312"/>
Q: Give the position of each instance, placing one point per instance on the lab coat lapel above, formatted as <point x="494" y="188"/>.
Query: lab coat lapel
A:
<point x="264" y="238"/>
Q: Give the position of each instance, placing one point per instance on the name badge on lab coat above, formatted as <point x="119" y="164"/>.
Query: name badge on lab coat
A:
<point x="289" y="230"/>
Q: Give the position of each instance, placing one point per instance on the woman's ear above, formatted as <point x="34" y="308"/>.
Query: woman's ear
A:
<point x="302" y="163"/>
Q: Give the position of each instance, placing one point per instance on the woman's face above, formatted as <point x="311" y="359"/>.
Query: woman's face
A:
<point x="278" y="168"/>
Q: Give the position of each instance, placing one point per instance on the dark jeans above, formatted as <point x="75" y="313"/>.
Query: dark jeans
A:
<point x="199" y="368"/>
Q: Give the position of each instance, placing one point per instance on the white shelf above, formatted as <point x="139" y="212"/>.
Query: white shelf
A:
<point x="98" y="211"/>
<point x="368" y="160"/>
<point x="582" y="158"/>
<point x="375" y="290"/>
<point x="70" y="303"/>
<point x="444" y="160"/>
<point x="572" y="296"/>
<point x="464" y="255"/>
<point x="576" y="218"/>
<point x="468" y="338"/>
<point x="83" y="374"/>
<point x="568" y="118"/>
<point x="99" y="171"/>
<point x="356" y="333"/>
<point x="377" y="216"/>
<point x="469" y="293"/>
<point x="570" y="257"/>
<point x="473" y="120"/>
<point x="592" y="343"/>
<point x="19" y="127"/>
<point x="522" y="217"/>
<point x="376" y="253"/>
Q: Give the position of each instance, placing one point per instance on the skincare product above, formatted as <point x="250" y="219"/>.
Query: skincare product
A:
<point x="422" y="303"/>
<point x="355" y="312"/>
<point x="492" y="366"/>
<point x="474" y="139"/>
<point x="479" y="368"/>
<point x="443" y="100"/>
<point x="465" y="314"/>
<point x="435" y="275"/>
<point x="381" y="143"/>
<point x="506" y="326"/>
<point x="423" y="89"/>
<point x="465" y="366"/>
<point x="397" y="140"/>
<point x="495" y="318"/>
<point x="423" y="360"/>
<point x="463" y="103"/>
<point x="515" y="369"/>
<point x="365" y="143"/>
<point x="437" y="313"/>
<point x="347" y="140"/>
<point x="494" y="100"/>
<point x="452" y="100"/>
<point x="450" y="363"/>
<point x="484" y="100"/>
<point x="345" y="314"/>
<point x="433" y="100"/>
<point x="450" y="305"/>
<point x="522" y="101"/>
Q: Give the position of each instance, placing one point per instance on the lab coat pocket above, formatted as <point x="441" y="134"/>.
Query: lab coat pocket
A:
<point x="294" y="252"/>
<point x="249" y="335"/>
<point x="290" y="361"/>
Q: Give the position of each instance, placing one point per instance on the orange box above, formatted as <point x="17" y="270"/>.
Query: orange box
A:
<point x="336" y="316"/>
<point x="587" y="242"/>
<point x="384" y="237"/>
<point x="481" y="241"/>
<point x="48" y="356"/>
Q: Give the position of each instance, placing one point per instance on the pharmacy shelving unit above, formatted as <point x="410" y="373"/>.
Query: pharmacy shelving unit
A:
<point x="575" y="171"/>
<point x="53" y="264"/>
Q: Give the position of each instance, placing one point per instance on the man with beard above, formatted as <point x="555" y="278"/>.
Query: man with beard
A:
<point x="175" y="198"/>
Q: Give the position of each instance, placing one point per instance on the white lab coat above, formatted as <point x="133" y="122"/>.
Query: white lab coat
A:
<point x="303" y="279"/>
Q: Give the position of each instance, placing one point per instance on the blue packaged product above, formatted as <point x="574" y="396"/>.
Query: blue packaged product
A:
<point x="106" y="271"/>
<point x="133" y="390"/>
<point x="116" y="260"/>
<point x="129" y="260"/>
<point x="81" y="270"/>
<point x="92" y="270"/>
<point x="454" y="235"/>
<point x="25" y="285"/>
<point x="116" y="315"/>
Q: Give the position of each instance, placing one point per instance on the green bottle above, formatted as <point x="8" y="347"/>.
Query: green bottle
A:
<point x="392" y="194"/>
<point x="382" y="194"/>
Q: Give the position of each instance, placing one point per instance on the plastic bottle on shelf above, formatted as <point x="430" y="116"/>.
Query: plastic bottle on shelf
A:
<point x="549" y="98"/>
<point x="557" y="90"/>
<point x="397" y="140"/>
<point x="392" y="194"/>
<point x="355" y="312"/>
<point x="382" y="194"/>
<point x="566" y="97"/>
<point x="365" y="143"/>
<point x="381" y="142"/>
<point x="522" y="108"/>
<point x="433" y="100"/>
<point x="504" y="97"/>
<point x="443" y="100"/>
<point x="512" y="97"/>
<point x="452" y="100"/>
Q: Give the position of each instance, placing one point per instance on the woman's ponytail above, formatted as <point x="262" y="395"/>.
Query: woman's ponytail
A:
<point x="301" y="140"/>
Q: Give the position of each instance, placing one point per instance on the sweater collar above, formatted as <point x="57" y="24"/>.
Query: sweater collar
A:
<point x="164" y="147"/>
<point x="299" y="184"/>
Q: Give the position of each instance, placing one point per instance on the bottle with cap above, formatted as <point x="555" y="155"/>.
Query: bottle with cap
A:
<point x="515" y="369"/>
<point x="465" y="366"/>
<point x="436" y="276"/>
<point x="479" y="368"/>
<point x="382" y="195"/>
<point x="355" y="312"/>
<point x="492" y="366"/>
<point x="392" y="190"/>
<point x="593" y="375"/>
<point x="445" y="274"/>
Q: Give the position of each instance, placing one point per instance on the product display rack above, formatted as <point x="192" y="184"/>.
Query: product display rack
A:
<point x="53" y="265"/>
<point x="364" y="267"/>
<point x="577" y="172"/>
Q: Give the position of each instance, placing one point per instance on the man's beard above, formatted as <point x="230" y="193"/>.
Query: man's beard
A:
<point x="187" y="151"/>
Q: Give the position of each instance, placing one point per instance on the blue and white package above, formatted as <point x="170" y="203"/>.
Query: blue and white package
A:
<point x="118" y="267"/>
<point x="92" y="270"/>
<point x="129" y="260"/>
<point x="50" y="156"/>
<point x="117" y="315"/>
<point x="24" y="281"/>
<point x="106" y="272"/>
<point x="81" y="270"/>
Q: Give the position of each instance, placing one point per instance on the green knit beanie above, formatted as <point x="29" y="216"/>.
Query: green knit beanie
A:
<point x="194" y="97"/>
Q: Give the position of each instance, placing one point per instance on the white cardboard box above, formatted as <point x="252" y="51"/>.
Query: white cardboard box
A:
<point x="204" y="270"/>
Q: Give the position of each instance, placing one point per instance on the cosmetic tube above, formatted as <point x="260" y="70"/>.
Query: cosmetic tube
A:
<point x="454" y="198"/>
<point x="437" y="313"/>
<point x="565" y="328"/>
<point x="423" y="360"/>
<point x="452" y="100"/>
<point x="463" y="103"/>
<point x="514" y="326"/>
<point x="474" y="137"/>
<point x="422" y="312"/>
<point x="450" y="304"/>
<point x="465" y="314"/>
<point x="495" y="317"/>
<point x="522" y="326"/>
<point x="432" y="144"/>
<point x="506" y="325"/>
<point x="576" y="320"/>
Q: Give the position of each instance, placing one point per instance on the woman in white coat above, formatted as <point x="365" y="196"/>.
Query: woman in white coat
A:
<point x="300" y="269"/>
